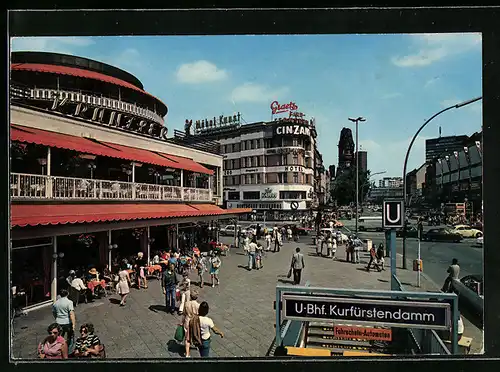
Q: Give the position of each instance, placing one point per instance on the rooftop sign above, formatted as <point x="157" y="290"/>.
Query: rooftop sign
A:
<point x="215" y="124"/>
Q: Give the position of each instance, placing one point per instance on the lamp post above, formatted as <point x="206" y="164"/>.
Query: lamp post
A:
<point x="458" y="105"/>
<point x="357" y="168"/>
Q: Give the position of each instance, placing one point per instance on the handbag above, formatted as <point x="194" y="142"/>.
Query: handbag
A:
<point x="289" y="275"/>
<point x="179" y="333"/>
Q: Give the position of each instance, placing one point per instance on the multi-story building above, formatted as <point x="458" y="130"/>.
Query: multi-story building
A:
<point x="415" y="184"/>
<point x="378" y="194"/>
<point x="436" y="147"/>
<point x="392" y="182"/>
<point x="346" y="150"/>
<point x="93" y="173"/>
<point x="456" y="177"/>
<point x="271" y="167"/>
<point x="362" y="157"/>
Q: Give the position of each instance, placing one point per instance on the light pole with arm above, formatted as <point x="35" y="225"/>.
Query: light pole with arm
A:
<point x="357" y="168"/>
<point x="458" y="105"/>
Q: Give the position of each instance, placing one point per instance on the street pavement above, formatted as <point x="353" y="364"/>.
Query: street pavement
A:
<point x="242" y="307"/>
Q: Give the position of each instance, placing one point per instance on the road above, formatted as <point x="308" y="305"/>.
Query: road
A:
<point x="436" y="256"/>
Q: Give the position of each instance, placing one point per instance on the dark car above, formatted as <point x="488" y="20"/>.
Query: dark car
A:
<point x="411" y="232"/>
<point x="474" y="283"/>
<point x="442" y="235"/>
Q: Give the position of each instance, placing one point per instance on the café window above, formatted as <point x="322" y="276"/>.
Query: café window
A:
<point x="233" y="195"/>
<point x="251" y="195"/>
<point x="295" y="177"/>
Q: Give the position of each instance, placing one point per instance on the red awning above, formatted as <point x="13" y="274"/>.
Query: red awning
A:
<point x="88" y="146"/>
<point x="73" y="71"/>
<point x="60" y="214"/>
<point x="62" y="141"/>
<point x="188" y="164"/>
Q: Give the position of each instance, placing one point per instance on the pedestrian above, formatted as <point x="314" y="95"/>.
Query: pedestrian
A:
<point x="124" y="284"/>
<point x="215" y="263"/>
<point x="289" y="233"/>
<point x="268" y="241"/>
<point x="349" y="250"/>
<point x="258" y="231"/>
<point x="206" y="325"/>
<point x="252" y="249"/>
<point x="453" y="273"/>
<point x="64" y="315"/>
<point x="258" y="257"/>
<point x="53" y="346"/>
<point x="380" y="257"/>
<point x="201" y="268"/>
<point x="277" y="239"/>
<point x="168" y="284"/>
<point x="329" y="244"/>
<point x="333" y="248"/>
<point x="140" y="264"/>
<point x="373" y="254"/>
<point x="319" y="244"/>
<point x="297" y="266"/>
<point x="185" y="291"/>
<point x="190" y="311"/>
<point x="357" y="244"/>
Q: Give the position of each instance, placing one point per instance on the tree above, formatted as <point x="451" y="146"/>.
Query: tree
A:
<point x="344" y="191"/>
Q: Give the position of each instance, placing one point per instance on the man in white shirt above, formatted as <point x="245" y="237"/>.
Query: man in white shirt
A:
<point x="252" y="248"/>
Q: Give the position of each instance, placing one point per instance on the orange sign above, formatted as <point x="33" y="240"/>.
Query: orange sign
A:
<point x="362" y="333"/>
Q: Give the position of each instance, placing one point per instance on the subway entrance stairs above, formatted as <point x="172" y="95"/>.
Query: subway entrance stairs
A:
<point x="321" y="335"/>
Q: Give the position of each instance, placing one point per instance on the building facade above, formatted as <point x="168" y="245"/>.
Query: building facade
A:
<point x="362" y="157"/>
<point x="93" y="173"/>
<point x="391" y="182"/>
<point x="415" y="184"/>
<point x="436" y="147"/>
<point x="456" y="177"/>
<point x="272" y="167"/>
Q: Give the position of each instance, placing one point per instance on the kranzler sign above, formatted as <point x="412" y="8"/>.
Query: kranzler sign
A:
<point x="372" y="312"/>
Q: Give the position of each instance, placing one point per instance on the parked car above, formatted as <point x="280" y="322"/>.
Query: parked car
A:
<point x="411" y="232"/>
<point x="228" y="230"/>
<point x="442" y="235"/>
<point x="467" y="231"/>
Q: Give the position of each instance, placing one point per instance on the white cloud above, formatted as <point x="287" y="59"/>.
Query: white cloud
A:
<point x="251" y="92"/>
<point x="432" y="81"/>
<point x="200" y="72"/>
<point x="56" y="44"/>
<point x="391" y="95"/>
<point x="431" y="48"/>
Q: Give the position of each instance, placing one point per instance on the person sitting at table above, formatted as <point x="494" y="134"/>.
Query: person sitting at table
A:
<point x="156" y="258"/>
<point x="94" y="280"/>
<point x="71" y="277"/>
<point x="78" y="284"/>
<point x="140" y="264"/>
<point x="87" y="345"/>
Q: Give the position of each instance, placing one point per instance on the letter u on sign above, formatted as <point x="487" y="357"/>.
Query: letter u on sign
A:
<point x="389" y="217"/>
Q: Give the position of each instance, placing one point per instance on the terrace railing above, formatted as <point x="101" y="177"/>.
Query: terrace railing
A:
<point x="39" y="187"/>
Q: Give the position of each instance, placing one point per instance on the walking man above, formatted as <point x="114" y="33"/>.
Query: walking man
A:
<point x="297" y="266"/>
<point x="169" y="283"/>
<point x="453" y="273"/>
<point x="64" y="314"/>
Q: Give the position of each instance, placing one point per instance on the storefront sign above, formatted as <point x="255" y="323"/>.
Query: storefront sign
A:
<point x="103" y="111"/>
<point x="215" y="124"/>
<point x="363" y="333"/>
<point x="276" y="108"/>
<point x="392" y="313"/>
<point x="297" y="130"/>
<point x="294" y="168"/>
<point x="268" y="194"/>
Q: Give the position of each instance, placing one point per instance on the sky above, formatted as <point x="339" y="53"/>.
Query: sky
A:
<point x="395" y="81"/>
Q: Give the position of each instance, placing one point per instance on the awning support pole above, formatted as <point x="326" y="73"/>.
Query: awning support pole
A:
<point x="182" y="184"/>
<point x="148" y="231"/>
<point x="177" y="237"/>
<point x="53" y="289"/>
<point x="133" y="180"/>
<point x="109" y="250"/>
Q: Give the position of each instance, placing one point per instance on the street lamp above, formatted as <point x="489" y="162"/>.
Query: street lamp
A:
<point x="357" y="167"/>
<point x="458" y="105"/>
<point x="367" y="180"/>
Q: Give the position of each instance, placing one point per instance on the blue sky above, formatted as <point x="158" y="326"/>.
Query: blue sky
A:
<point x="395" y="81"/>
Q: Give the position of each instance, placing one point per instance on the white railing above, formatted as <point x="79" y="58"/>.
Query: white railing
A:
<point x="30" y="186"/>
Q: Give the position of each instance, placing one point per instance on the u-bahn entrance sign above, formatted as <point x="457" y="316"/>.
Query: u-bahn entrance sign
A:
<point x="392" y="313"/>
<point x="403" y="309"/>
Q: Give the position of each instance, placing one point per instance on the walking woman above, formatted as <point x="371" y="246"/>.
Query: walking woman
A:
<point x="215" y="263"/>
<point x="190" y="311"/>
<point x="54" y="346"/>
<point x="140" y="264"/>
<point x="124" y="284"/>
<point x="206" y="325"/>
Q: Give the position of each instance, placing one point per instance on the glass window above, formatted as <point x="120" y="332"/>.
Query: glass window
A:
<point x="233" y="163"/>
<point x="242" y="145"/>
<point x="257" y="161"/>
<point x="252" y="179"/>
<point x="249" y="162"/>
<point x="242" y="179"/>
<point x="258" y="178"/>
<point x="252" y="144"/>
<point x="295" y="178"/>
<point x="295" y="142"/>
<point x="243" y="162"/>
<point x="233" y="195"/>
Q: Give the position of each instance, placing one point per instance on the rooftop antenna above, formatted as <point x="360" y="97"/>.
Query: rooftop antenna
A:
<point x="439" y="132"/>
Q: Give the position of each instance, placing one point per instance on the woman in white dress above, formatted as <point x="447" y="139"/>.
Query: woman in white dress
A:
<point x="124" y="283"/>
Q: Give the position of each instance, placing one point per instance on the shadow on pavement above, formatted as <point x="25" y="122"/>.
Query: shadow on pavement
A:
<point x="285" y="281"/>
<point x="174" y="347"/>
<point x="156" y="308"/>
<point x="241" y="254"/>
<point x="383" y="280"/>
<point x="243" y="267"/>
<point x="114" y="301"/>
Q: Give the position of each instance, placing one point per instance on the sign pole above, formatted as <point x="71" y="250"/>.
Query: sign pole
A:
<point x="418" y="267"/>
<point x="392" y="245"/>
<point x="278" y="318"/>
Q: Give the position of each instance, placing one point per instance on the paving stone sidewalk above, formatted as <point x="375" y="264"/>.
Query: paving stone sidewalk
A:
<point x="242" y="307"/>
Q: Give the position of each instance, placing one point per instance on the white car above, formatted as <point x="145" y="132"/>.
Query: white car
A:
<point x="343" y="236"/>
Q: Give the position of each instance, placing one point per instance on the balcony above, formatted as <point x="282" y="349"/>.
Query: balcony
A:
<point x="39" y="187"/>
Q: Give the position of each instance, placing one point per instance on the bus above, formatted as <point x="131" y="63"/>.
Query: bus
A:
<point x="370" y="223"/>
